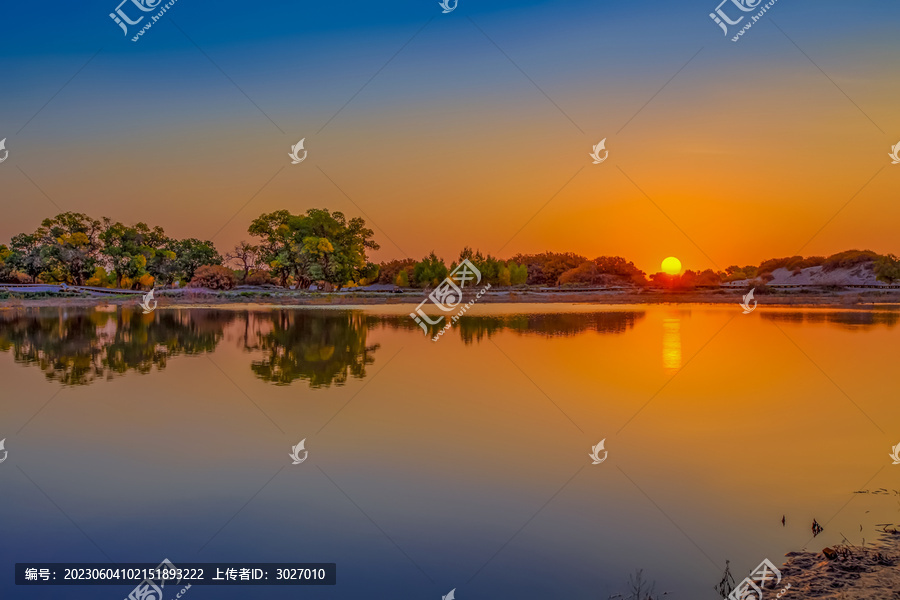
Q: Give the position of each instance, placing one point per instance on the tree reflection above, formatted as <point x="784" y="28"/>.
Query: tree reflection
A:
<point x="77" y="347"/>
<point x="322" y="347"/>
<point x="845" y="318"/>
<point x="475" y="328"/>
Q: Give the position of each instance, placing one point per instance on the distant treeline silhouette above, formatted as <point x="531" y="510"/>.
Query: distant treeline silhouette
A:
<point x="325" y="249"/>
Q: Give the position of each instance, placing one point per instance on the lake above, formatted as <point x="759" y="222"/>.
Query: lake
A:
<point x="462" y="463"/>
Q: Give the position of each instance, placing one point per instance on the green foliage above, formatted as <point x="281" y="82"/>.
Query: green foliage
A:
<point x="74" y="248"/>
<point x="6" y="268"/>
<point x="430" y="271"/>
<point x="70" y="246"/>
<point x="604" y="270"/>
<point x="402" y="279"/>
<point x="190" y="254"/>
<point x="100" y="278"/>
<point x="26" y="255"/>
<point x="790" y="263"/>
<point x="128" y="249"/>
<point x="887" y="268"/>
<point x="319" y="246"/>
<point x="518" y="274"/>
<point x="547" y="268"/>
<point x="734" y="272"/>
<point x="493" y="270"/>
<point x="849" y="259"/>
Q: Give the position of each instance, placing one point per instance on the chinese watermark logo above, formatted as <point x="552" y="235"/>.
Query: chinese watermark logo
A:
<point x="448" y="295"/>
<point x="296" y="158"/>
<point x="445" y="4"/>
<point x="6" y="152"/>
<point x="145" y="304"/>
<point x="450" y="595"/>
<point x="723" y="20"/>
<point x="295" y="452"/>
<point x="596" y="153"/>
<point x="122" y="20"/>
<point x="895" y="456"/>
<point x="752" y="587"/>
<point x="895" y="153"/>
<point x="5" y="453"/>
<point x="595" y="452"/>
<point x="746" y="303"/>
<point x="152" y="589"/>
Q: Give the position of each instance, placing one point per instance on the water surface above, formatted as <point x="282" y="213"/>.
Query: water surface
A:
<point x="461" y="463"/>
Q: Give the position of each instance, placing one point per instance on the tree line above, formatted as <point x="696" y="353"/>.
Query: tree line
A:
<point x="330" y="251"/>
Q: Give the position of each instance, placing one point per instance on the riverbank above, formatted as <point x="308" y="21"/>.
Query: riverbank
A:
<point x="853" y="572"/>
<point x="846" y="298"/>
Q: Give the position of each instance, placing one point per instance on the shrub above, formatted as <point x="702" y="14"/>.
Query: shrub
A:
<point x="848" y="259"/>
<point x="214" y="277"/>
<point x="146" y="281"/>
<point x="257" y="278"/>
<point x="887" y="268"/>
<point x="389" y="271"/>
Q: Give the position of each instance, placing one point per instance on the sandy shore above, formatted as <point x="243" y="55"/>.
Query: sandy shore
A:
<point x="870" y="573"/>
<point x="842" y="299"/>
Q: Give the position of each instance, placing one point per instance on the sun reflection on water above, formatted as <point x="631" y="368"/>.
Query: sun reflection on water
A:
<point x="671" y="347"/>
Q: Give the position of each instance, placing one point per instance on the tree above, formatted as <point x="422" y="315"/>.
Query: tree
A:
<point x="191" y="254"/>
<point x="390" y="270"/>
<point x="430" y="271"/>
<point x="26" y="255"/>
<point x="6" y="269"/>
<point x="274" y="233"/>
<point x="316" y="246"/>
<point x="245" y="253"/>
<point x="402" y="279"/>
<point x="887" y="268"/>
<point x="503" y="276"/>
<point x="546" y="268"/>
<point x="127" y="249"/>
<point x="70" y="246"/>
<point x="518" y="274"/>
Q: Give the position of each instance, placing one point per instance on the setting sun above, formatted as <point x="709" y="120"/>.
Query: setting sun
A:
<point x="671" y="266"/>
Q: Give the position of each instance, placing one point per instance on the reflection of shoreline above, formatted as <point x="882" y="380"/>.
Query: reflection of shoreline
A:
<point x="848" y="300"/>
<point x="846" y="318"/>
<point x="322" y="346"/>
<point x="77" y="347"/>
<point x="475" y="328"/>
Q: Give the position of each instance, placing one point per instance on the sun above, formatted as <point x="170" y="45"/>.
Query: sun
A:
<point x="671" y="266"/>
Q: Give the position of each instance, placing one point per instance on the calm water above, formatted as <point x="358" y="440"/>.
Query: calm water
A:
<point x="457" y="464"/>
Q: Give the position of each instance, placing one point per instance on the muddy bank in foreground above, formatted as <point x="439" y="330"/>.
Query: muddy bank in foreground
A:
<point x="854" y="573"/>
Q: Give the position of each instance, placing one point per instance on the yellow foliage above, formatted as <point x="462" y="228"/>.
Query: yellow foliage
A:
<point x="146" y="281"/>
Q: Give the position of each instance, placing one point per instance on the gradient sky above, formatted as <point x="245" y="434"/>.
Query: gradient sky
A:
<point x="749" y="152"/>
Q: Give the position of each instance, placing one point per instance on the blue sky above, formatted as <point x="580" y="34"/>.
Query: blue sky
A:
<point x="196" y="117"/>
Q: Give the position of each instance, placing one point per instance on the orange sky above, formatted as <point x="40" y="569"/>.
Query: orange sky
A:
<point x="745" y="155"/>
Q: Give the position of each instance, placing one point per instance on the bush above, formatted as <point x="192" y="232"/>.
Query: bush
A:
<point x="257" y="278"/>
<point x="100" y="279"/>
<point x="887" y="268"/>
<point x="389" y="271"/>
<point x="146" y="281"/>
<point x="214" y="277"/>
<point x="849" y="259"/>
